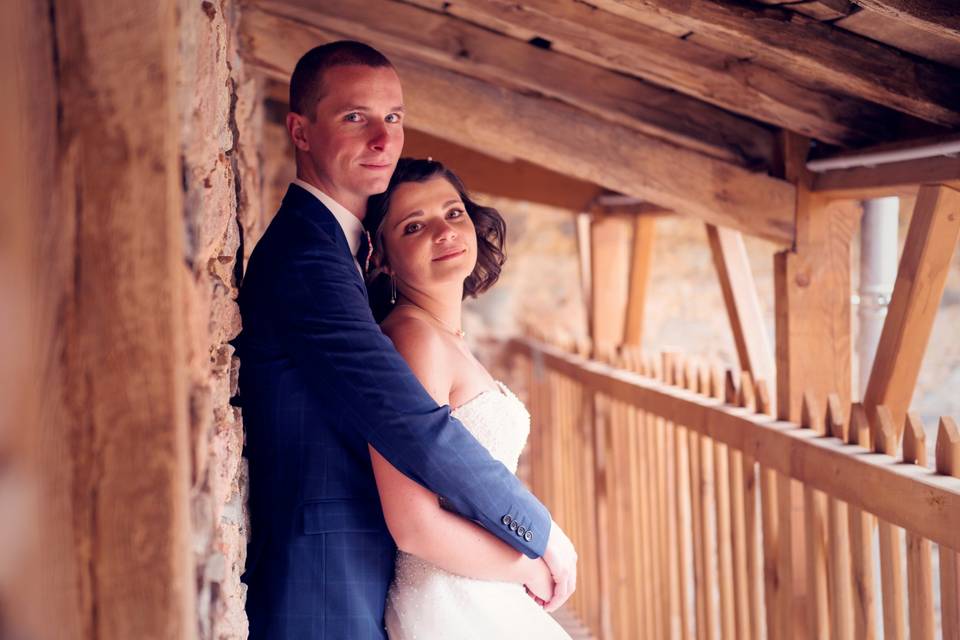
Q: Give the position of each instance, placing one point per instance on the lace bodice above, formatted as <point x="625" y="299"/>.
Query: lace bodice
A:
<point x="499" y="421"/>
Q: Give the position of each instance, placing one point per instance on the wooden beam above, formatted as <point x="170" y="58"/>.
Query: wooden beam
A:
<point x="114" y="501"/>
<point x="726" y="80"/>
<point x="892" y="179"/>
<point x="939" y="17"/>
<point x="610" y="248"/>
<point x="930" y="244"/>
<point x="554" y="135"/>
<point x="456" y="45"/>
<point x="812" y="289"/>
<point x="743" y="305"/>
<point x="830" y="57"/>
<point x="641" y="254"/>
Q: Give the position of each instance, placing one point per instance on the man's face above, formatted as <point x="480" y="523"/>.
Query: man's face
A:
<point x="356" y="136"/>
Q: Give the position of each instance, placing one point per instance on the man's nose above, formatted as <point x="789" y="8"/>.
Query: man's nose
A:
<point x="380" y="136"/>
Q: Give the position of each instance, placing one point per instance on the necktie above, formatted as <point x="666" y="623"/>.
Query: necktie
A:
<point x="364" y="252"/>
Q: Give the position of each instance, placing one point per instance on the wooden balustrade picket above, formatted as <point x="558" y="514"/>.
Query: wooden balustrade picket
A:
<point x="678" y="489"/>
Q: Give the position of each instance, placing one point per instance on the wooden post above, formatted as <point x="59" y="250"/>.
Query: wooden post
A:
<point x="948" y="464"/>
<point x="641" y="253"/>
<point x="919" y="552"/>
<point x="813" y="349"/>
<point x="610" y="237"/>
<point x="114" y="495"/>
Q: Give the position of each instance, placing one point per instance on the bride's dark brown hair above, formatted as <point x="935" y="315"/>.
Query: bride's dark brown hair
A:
<point x="490" y="227"/>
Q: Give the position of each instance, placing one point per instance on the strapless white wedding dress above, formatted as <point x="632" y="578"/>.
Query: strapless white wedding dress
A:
<point x="428" y="603"/>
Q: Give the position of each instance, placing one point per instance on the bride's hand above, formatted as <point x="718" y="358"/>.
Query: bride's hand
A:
<point x="540" y="583"/>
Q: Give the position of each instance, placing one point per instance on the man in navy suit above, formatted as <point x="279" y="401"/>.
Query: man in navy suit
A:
<point x="318" y="381"/>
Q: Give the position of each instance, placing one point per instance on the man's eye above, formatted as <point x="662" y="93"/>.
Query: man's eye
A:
<point x="393" y="118"/>
<point x="352" y="117"/>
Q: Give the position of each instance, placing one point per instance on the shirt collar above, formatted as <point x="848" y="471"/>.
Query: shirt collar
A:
<point x="351" y="224"/>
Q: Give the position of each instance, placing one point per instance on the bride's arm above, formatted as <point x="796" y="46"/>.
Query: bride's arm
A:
<point x="413" y="514"/>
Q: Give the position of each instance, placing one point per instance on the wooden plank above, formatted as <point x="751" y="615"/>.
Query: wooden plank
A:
<point x="743" y="305"/>
<point x="840" y="576"/>
<point x="722" y="79"/>
<point x="680" y="497"/>
<point x="903" y="36"/>
<point x="817" y="537"/>
<point x="921" y="277"/>
<point x="836" y="59"/>
<point x="906" y="495"/>
<point x="947" y="460"/>
<point x="919" y="552"/>
<point x="553" y="135"/>
<point x="861" y="542"/>
<point x="939" y="17"/>
<point x="456" y="45"/>
<point x="641" y="254"/>
<point x="891" y="543"/>
<point x="610" y="248"/>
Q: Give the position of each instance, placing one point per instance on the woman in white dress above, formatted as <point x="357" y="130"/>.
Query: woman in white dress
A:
<point x="432" y="247"/>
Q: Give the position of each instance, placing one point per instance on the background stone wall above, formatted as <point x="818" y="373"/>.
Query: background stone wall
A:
<point x="221" y="113"/>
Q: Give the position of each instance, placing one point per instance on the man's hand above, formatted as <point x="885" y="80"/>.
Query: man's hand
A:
<point x="561" y="558"/>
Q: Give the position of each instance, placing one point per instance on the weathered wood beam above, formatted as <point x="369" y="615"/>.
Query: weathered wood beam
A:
<point x="935" y="16"/>
<point x="726" y="80"/>
<point x="742" y="302"/>
<point x="921" y="277"/>
<point x="456" y="45"/>
<point x="834" y="58"/>
<point x="557" y="136"/>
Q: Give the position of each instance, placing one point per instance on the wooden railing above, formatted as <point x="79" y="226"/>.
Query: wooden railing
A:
<point x="681" y="496"/>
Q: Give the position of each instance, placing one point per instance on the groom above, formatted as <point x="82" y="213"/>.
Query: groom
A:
<point x="318" y="381"/>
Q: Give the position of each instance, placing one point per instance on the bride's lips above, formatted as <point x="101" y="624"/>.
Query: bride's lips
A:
<point x="450" y="255"/>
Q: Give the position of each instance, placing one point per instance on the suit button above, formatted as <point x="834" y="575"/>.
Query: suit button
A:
<point x="528" y="536"/>
<point x="514" y="525"/>
<point x="521" y="531"/>
<point x="506" y="520"/>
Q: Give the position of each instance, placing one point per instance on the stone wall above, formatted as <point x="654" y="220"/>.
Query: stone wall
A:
<point x="221" y="114"/>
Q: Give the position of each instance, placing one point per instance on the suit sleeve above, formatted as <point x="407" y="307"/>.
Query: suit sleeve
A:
<point x="330" y="332"/>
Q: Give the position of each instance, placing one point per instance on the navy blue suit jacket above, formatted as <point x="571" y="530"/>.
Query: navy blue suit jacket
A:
<point x="318" y="381"/>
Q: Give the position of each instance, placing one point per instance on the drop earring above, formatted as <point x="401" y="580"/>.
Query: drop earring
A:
<point x="393" y="290"/>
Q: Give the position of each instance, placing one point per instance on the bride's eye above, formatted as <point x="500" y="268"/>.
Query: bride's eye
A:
<point x="411" y="228"/>
<point x="455" y="213"/>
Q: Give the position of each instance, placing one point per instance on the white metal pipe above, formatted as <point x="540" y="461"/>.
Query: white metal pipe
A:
<point x="873" y="158"/>
<point x="878" y="272"/>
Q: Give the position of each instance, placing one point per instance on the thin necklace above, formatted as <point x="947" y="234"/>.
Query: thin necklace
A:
<point x="456" y="332"/>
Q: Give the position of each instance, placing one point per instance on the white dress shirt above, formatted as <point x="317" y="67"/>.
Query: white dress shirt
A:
<point x="351" y="224"/>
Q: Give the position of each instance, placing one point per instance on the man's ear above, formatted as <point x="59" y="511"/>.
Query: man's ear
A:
<point x="296" y="125"/>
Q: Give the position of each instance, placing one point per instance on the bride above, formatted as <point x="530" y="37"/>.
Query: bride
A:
<point x="431" y="247"/>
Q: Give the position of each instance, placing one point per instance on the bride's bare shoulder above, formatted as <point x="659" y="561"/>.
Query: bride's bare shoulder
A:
<point x="423" y="346"/>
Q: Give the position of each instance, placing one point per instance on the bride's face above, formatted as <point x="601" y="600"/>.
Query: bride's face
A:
<point x="428" y="236"/>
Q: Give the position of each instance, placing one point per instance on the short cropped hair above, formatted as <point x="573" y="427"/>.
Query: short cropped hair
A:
<point x="306" y="83"/>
